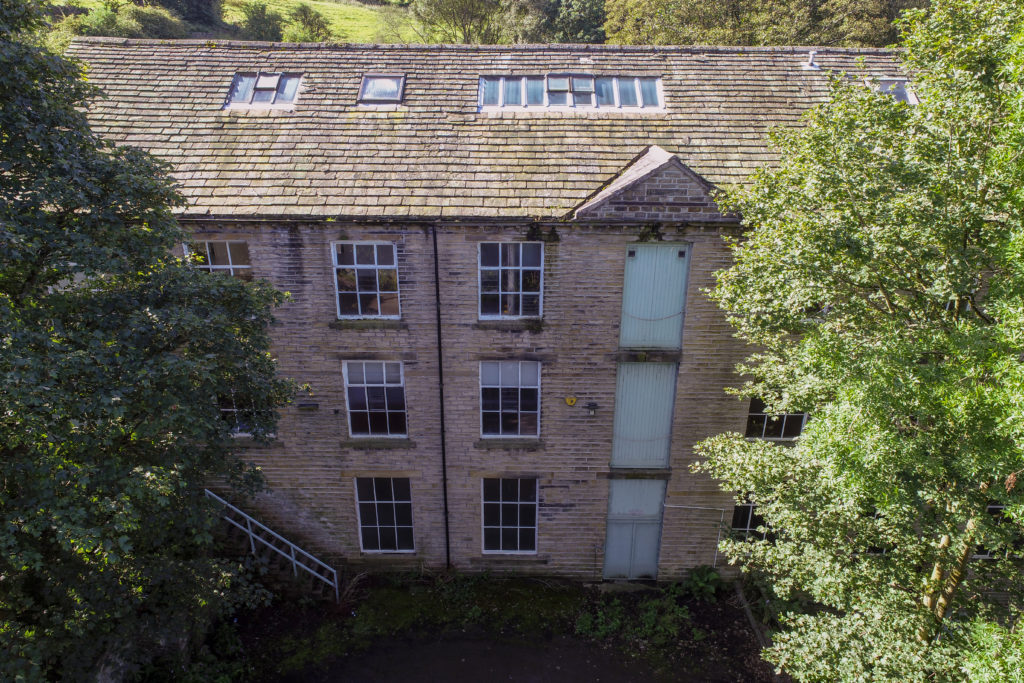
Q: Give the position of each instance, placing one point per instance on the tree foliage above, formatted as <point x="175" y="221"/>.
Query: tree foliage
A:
<point x="882" y="281"/>
<point x="308" y="26"/>
<point x="861" y="23"/>
<point x="259" y="22"/>
<point x="113" y="356"/>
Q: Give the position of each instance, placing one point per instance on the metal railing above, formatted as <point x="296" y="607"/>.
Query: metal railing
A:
<point x="298" y="557"/>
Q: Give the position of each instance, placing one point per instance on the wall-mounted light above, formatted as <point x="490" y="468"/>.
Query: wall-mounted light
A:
<point x="592" y="408"/>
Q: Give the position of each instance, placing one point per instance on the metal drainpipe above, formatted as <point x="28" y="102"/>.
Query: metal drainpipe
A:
<point x="721" y="523"/>
<point x="440" y="391"/>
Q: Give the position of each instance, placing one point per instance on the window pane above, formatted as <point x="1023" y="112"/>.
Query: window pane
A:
<point x="492" y="489"/>
<point x="492" y="539"/>
<point x="345" y="254"/>
<point x="267" y="81"/>
<point x="528" y="400"/>
<point x="490" y="304"/>
<point x="218" y="253"/>
<point x="649" y="90"/>
<point x="385" y="255"/>
<point x="379" y="423"/>
<point x="368" y="304"/>
<point x="364" y="488"/>
<point x="374" y="373"/>
<point x="528" y="490"/>
<point x="558" y="99"/>
<point x="393" y="373"/>
<point x="403" y="514"/>
<point x="489" y="85"/>
<point x="360" y="423"/>
<point x="534" y="91"/>
<point x="241" y="89"/>
<point x="510" y="304"/>
<point x="531" y="280"/>
<point x="528" y="424"/>
<point x="388" y="541"/>
<point x="489" y="254"/>
<point x="405" y="539"/>
<point x="510" y="424"/>
<point x="263" y="97"/>
<point x="367" y="279"/>
<point x="510" y="514"/>
<point x="530" y="305"/>
<point x="509" y="255"/>
<point x="239" y="253"/>
<point x="386" y="88"/>
<point x="755" y="426"/>
<point x="558" y="83"/>
<point x="605" y="94"/>
<point x="582" y="99"/>
<point x="395" y="397"/>
<point x="489" y="373"/>
<point x="513" y="92"/>
<point x="773" y="427"/>
<point x="357" y="398"/>
<point x="510" y="399"/>
<point x="492" y="514"/>
<point x="792" y="426"/>
<point x="346" y="280"/>
<point x="490" y="398"/>
<point x="364" y="254"/>
<point x="375" y="398"/>
<point x="286" y="89"/>
<point x="402" y="489"/>
<point x="382" y="488"/>
<point x="355" y="373"/>
<point x="510" y="280"/>
<point x="489" y="280"/>
<point x="370" y="541"/>
<point x="530" y="373"/>
<point x="627" y="92"/>
<point x="387" y="280"/>
<point x="510" y="539"/>
<point x="510" y="373"/>
<point x="531" y="255"/>
<point x="396" y="423"/>
<point x="528" y="515"/>
<point x="490" y="423"/>
<point x="389" y="304"/>
<point x="582" y="84"/>
<point x="527" y="539"/>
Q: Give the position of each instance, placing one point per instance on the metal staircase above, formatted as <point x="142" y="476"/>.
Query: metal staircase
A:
<point x="265" y="542"/>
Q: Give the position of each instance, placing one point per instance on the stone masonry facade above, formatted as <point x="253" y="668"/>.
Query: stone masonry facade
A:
<point x="439" y="175"/>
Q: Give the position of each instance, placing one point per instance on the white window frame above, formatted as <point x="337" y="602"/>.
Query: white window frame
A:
<point x="885" y="86"/>
<point x="375" y="267"/>
<point x="499" y="387"/>
<point x="230" y="268"/>
<point x="570" y="106"/>
<point x="782" y="416"/>
<point x="362" y="99"/>
<point x="500" y="527"/>
<point x="377" y="525"/>
<point x="500" y="268"/>
<point x="385" y="385"/>
<point x="273" y="104"/>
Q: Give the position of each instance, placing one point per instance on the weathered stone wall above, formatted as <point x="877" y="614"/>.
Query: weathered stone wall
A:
<point x="312" y="466"/>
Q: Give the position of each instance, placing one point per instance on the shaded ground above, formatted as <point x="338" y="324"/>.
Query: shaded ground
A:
<point x="521" y="630"/>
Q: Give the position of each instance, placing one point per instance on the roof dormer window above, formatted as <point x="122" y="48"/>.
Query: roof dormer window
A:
<point x="263" y="89"/>
<point x="570" y="91"/>
<point x="381" y="88"/>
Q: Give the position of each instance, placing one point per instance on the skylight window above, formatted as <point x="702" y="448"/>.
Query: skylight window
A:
<point x="381" y="88"/>
<point x="570" y="91"/>
<point x="897" y="89"/>
<point x="263" y="89"/>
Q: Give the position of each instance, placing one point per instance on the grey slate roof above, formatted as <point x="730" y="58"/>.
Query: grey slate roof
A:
<point x="436" y="154"/>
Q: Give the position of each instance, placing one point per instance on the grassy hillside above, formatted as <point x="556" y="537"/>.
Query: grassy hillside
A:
<point x="350" y="21"/>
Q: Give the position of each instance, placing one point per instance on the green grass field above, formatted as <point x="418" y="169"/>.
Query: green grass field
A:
<point x="351" y="21"/>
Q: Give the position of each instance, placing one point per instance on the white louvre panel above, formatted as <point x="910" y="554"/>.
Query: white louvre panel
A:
<point x="653" y="296"/>
<point x="644" y="399"/>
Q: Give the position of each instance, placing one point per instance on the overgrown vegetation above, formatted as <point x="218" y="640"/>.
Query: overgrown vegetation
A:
<point x="666" y="626"/>
<point x="882" y="281"/>
<point x="114" y="355"/>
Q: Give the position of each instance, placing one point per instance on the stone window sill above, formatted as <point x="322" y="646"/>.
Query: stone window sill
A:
<point x="372" y="444"/>
<point x="531" y="325"/>
<point x="367" y="324"/>
<point x="509" y="444"/>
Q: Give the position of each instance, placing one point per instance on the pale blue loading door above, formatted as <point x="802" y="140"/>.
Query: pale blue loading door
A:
<point x="654" y="296"/>
<point x="634" y="528"/>
<point x="644" y="399"/>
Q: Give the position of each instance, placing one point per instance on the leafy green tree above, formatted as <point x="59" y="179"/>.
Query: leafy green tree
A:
<point x="858" y="23"/>
<point x="308" y="26"/>
<point x="259" y="22"/>
<point x="882" y="282"/>
<point x="114" y="356"/>
<point x="580" y="21"/>
<point x="458" y="21"/>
